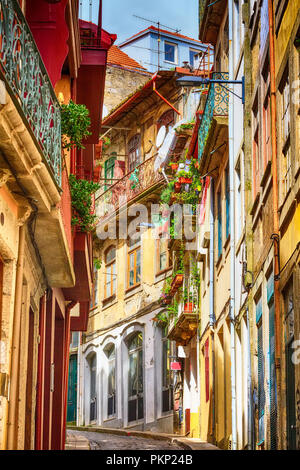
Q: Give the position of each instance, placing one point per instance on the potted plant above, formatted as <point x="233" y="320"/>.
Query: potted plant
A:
<point x="174" y="166"/>
<point x="177" y="186"/>
<point x="75" y="123"/>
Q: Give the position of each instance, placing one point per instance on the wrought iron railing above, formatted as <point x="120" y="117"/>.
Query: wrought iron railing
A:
<point x="27" y="80"/>
<point x="132" y="185"/>
<point x="216" y="105"/>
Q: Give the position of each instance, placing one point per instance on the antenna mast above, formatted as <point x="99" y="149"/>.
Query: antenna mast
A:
<point x="159" y="25"/>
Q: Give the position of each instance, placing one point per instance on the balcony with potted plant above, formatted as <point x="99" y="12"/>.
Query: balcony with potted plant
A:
<point x="183" y="326"/>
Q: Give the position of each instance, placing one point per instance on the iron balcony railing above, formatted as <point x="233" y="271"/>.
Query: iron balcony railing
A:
<point x="28" y="83"/>
<point x="216" y="105"/>
<point x="132" y="185"/>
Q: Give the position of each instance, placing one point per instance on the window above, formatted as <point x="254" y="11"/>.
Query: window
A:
<point x="74" y="339"/>
<point x="227" y="200"/>
<point x="111" y="380"/>
<point x="170" y="52"/>
<point x="134" y="263"/>
<point x="167" y="391"/>
<point x="266" y="123"/>
<point x="193" y="53"/>
<point x="110" y="273"/>
<point x="219" y="231"/>
<point x="163" y="259"/>
<point x="134" y="152"/>
<point x="255" y="146"/>
<point x="285" y="145"/>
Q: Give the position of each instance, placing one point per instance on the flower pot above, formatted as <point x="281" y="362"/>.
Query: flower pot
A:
<point x="176" y="283"/>
<point x="189" y="307"/>
<point x="177" y="187"/>
<point x="166" y="300"/>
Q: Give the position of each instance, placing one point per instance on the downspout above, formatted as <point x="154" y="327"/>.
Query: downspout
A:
<point x="211" y="297"/>
<point x="15" y="352"/>
<point x="232" y="231"/>
<point x="275" y="198"/>
<point x="66" y="365"/>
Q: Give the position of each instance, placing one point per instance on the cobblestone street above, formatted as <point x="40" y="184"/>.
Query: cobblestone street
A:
<point x="102" y="441"/>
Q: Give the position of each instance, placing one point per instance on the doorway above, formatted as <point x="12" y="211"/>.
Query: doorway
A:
<point x="135" y="378"/>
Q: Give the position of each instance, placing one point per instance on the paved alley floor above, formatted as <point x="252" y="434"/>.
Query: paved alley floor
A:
<point x="102" y="441"/>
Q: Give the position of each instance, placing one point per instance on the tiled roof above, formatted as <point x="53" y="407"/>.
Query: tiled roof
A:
<point x="163" y="31"/>
<point x="118" y="57"/>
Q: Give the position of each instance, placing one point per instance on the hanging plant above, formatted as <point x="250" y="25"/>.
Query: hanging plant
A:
<point x="75" y="123"/>
<point x="81" y="198"/>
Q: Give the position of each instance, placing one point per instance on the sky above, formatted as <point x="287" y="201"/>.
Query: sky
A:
<point x="117" y="15"/>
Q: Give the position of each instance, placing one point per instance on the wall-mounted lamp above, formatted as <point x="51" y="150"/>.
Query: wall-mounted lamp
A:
<point x="196" y="81"/>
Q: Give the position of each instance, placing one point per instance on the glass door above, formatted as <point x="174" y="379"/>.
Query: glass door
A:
<point x="93" y="398"/>
<point x="135" y="379"/>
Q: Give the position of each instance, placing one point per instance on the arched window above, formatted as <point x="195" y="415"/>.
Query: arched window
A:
<point x="135" y="378"/>
<point x="111" y="380"/>
<point x="167" y="120"/>
<point x="110" y="273"/>
<point x="134" y="152"/>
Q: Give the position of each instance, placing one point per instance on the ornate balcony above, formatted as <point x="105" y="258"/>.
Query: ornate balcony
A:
<point x="215" y="114"/>
<point x="29" y="86"/>
<point x="135" y="184"/>
<point x="184" y="327"/>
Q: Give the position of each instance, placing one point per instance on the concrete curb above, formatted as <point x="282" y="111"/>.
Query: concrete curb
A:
<point x="185" y="443"/>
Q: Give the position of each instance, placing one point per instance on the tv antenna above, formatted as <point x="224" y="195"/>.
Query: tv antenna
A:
<point x="159" y="25"/>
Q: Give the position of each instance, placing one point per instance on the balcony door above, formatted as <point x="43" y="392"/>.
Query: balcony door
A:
<point x="135" y="378"/>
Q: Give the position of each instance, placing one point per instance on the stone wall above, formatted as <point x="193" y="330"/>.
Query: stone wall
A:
<point x="120" y="83"/>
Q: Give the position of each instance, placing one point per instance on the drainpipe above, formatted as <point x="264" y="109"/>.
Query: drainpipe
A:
<point x="15" y="351"/>
<point x="212" y="297"/>
<point x="232" y="232"/>
<point x="66" y="365"/>
<point x="276" y="234"/>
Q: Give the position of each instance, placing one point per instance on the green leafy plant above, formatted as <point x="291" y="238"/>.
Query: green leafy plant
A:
<point x="75" y="123"/>
<point x="97" y="263"/>
<point x="166" y="194"/>
<point x="106" y="142"/>
<point x="81" y="197"/>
